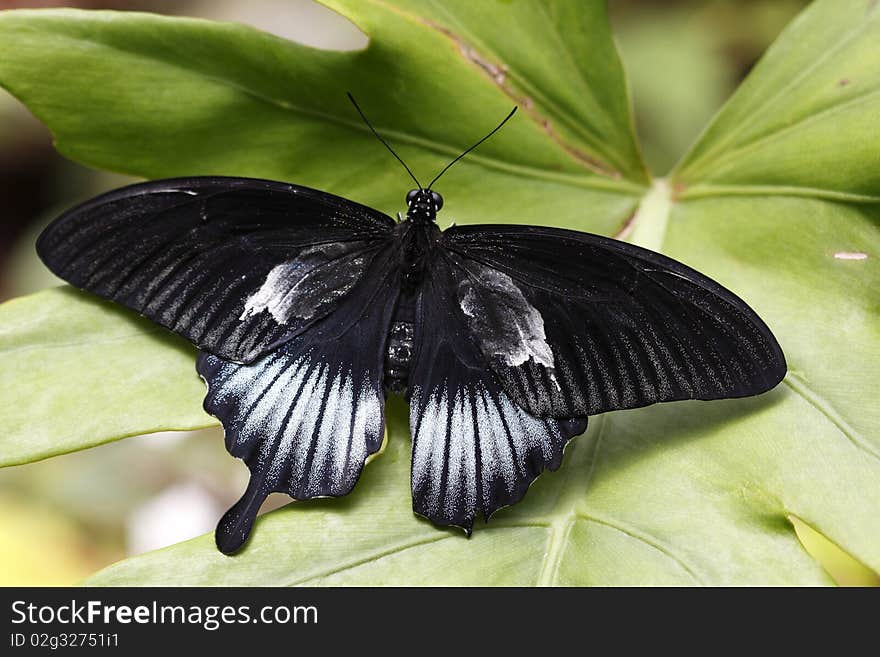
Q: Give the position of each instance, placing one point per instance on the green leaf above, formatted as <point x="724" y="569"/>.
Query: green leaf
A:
<point x="684" y="493"/>
<point x="78" y="372"/>
<point x="805" y="120"/>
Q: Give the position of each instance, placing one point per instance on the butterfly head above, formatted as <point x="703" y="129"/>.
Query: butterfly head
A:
<point x="423" y="204"/>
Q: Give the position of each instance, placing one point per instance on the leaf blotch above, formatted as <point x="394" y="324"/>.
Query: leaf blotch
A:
<point x="497" y="72"/>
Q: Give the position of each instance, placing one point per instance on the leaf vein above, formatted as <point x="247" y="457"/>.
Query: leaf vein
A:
<point x="560" y="529"/>
<point x="824" y="407"/>
<point x="643" y="537"/>
<point x="781" y="92"/>
<point x="82" y="343"/>
<point x="709" y="190"/>
<point x="756" y="143"/>
<point x="374" y="556"/>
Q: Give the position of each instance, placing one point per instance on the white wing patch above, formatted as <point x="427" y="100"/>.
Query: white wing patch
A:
<point x="301" y="288"/>
<point x="503" y="322"/>
<point x="307" y="424"/>
<point x="475" y="450"/>
<point x="273" y="294"/>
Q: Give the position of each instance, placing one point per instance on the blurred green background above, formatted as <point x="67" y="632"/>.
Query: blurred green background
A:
<point x="63" y="518"/>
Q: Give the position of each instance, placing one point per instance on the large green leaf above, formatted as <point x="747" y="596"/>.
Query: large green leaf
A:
<point x="686" y="493"/>
<point x="78" y="372"/>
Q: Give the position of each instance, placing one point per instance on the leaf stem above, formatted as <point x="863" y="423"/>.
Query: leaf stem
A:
<point x="648" y="226"/>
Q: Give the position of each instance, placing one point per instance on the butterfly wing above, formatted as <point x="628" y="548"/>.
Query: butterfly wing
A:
<point x="235" y="265"/>
<point x="306" y="416"/>
<point x="576" y="324"/>
<point x="474" y="449"/>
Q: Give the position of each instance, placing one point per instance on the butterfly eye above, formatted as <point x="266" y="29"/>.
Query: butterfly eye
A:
<point x="410" y="195"/>
<point x="438" y="200"/>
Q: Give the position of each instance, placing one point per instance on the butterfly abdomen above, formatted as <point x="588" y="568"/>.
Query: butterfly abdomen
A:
<point x="400" y="345"/>
<point x="398" y="356"/>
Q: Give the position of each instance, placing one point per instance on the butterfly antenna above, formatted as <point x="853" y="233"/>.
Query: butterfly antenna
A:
<point x="496" y="129"/>
<point x="379" y="137"/>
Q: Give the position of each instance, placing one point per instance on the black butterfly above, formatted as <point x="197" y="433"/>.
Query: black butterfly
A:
<point x="308" y="307"/>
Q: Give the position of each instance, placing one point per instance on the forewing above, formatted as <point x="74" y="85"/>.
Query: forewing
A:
<point x="306" y="416"/>
<point x="235" y="265"/>
<point x="474" y="449"/>
<point x="577" y="324"/>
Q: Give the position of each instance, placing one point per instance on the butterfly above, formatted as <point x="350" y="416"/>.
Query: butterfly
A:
<point x="309" y="308"/>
